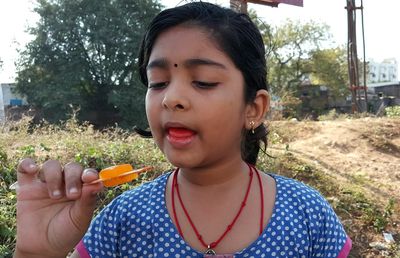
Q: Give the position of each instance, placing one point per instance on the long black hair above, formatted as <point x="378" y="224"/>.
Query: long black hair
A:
<point x="237" y="36"/>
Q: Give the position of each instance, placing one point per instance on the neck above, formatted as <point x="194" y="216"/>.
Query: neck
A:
<point x="227" y="173"/>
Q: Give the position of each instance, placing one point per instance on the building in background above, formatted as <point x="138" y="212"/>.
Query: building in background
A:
<point x="9" y="101"/>
<point x="383" y="85"/>
<point x="385" y="71"/>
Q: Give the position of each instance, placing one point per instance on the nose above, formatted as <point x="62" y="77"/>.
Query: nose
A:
<point x="176" y="97"/>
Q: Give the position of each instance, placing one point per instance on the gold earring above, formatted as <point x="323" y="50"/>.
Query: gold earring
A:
<point x="252" y="125"/>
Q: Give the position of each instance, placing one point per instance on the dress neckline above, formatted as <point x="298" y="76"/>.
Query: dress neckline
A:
<point x="265" y="233"/>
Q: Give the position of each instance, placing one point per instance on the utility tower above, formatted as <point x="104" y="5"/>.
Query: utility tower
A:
<point x="358" y="91"/>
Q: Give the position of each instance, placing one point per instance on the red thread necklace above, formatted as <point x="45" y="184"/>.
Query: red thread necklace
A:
<point x="214" y="244"/>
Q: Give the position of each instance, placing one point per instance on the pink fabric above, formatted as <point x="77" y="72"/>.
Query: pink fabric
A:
<point x="346" y="249"/>
<point x="83" y="253"/>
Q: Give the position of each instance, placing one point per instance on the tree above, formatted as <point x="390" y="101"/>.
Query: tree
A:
<point x="329" y="67"/>
<point x="288" y="48"/>
<point x="84" y="54"/>
<point x="294" y="51"/>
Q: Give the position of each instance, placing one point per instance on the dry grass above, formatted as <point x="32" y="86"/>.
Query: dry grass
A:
<point x="352" y="162"/>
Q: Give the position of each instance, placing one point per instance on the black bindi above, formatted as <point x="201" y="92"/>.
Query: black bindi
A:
<point x="176" y="65"/>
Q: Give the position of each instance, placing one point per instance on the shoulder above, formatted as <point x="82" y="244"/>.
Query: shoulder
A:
<point x="296" y="193"/>
<point x="305" y="202"/>
<point x="305" y="211"/>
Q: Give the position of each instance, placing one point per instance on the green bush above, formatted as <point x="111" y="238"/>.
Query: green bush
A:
<point x="69" y="142"/>
<point x="392" y="111"/>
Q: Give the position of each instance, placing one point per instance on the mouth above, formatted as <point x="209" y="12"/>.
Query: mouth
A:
<point x="179" y="135"/>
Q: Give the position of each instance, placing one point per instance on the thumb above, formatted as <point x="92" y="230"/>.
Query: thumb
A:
<point x="83" y="208"/>
<point x="27" y="171"/>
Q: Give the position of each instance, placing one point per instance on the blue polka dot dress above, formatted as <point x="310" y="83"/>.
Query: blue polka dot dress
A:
<point x="137" y="224"/>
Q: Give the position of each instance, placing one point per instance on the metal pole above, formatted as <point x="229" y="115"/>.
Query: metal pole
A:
<point x="352" y="54"/>
<point x="365" y="61"/>
<point x="239" y="6"/>
<point x="354" y="72"/>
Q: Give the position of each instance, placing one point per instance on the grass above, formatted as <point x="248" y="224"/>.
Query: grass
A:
<point x="68" y="142"/>
<point x="361" y="216"/>
<point x="380" y="137"/>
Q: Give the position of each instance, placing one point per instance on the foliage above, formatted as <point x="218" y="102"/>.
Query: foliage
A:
<point x="94" y="148"/>
<point x="84" y="55"/>
<point x="333" y="115"/>
<point x="69" y="141"/>
<point x="298" y="54"/>
<point x="329" y="67"/>
<point x="288" y="47"/>
<point x="392" y="111"/>
<point x="7" y="206"/>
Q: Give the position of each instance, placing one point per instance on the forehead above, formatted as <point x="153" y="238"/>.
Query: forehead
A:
<point x="185" y="42"/>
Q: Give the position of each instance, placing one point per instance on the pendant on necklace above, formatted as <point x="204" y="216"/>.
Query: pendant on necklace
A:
<point x="210" y="251"/>
<point x="218" y="255"/>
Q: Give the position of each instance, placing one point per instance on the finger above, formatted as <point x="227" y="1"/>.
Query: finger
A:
<point x="52" y="174"/>
<point x="89" y="175"/>
<point x="82" y="211"/>
<point x="84" y="207"/>
<point x="72" y="178"/>
<point x="27" y="171"/>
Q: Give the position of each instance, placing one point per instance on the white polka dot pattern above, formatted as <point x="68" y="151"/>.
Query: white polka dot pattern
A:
<point x="137" y="224"/>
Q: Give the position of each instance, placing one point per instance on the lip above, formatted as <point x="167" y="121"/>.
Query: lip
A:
<point x="179" y="135"/>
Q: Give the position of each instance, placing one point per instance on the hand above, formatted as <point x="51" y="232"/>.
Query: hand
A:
<point x="54" y="207"/>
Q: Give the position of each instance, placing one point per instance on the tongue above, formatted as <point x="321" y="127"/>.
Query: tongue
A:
<point x="180" y="132"/>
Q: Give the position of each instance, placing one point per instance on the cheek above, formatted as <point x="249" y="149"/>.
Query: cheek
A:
<point x="151" y="110"/>
<point x="148" y="107"/>
<point x="233" y="108"/>
<point x="153" y="117"/>
<point x="228" y="118"/>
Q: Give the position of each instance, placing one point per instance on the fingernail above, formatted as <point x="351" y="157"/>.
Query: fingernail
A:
<point x="56" y="193"/>
<point x="89" y="171"/>
<point x="13" y="186"/>
<point x="73" y="190"/>
<point x="32" y="166"/>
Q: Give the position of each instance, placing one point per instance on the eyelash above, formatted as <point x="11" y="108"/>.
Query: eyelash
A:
<point x="200" y="84"/>
<point x="158" y="85"/>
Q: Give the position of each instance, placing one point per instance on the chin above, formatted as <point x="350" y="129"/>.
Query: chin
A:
<point x="179" y="163"/>
<point x="185" y="162"/>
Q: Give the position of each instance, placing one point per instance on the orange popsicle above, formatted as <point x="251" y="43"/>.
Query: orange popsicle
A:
<point x="119" y="174"/>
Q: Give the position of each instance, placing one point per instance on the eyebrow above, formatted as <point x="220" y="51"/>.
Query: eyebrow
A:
<point x="202" y="61"/>
<point x="157" y="63"/>
<point x="162" y="63"/>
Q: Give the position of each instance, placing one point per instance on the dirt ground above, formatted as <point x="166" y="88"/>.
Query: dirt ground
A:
<point x="367" y="149"/>
<point x="364" y="151"/>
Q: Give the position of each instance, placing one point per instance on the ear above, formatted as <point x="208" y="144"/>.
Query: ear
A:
<point x="256" y="110"/>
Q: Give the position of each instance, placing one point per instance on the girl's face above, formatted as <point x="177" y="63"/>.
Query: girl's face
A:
<point x="195" y="99"/>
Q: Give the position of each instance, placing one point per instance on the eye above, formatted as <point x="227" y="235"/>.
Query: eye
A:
<point x="158" y="85"/>
<point x="206" y="85"/>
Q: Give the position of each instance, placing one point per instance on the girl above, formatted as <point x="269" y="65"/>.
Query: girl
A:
<point x="206" y="102"/>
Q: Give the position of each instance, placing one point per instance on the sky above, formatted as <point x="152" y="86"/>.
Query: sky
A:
<point x="382" y="33"/>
